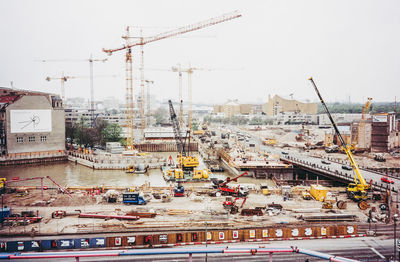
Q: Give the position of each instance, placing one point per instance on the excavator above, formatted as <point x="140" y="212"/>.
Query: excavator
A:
<point x="231" y="204"/>
<point x="359" y="190"/>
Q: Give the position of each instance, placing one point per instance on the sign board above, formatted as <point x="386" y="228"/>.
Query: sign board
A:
<point x="29" y="121"/>
<point x="209" y="236"/>
<point x="163" y="238"/>
<point x="350" y="229"/>
<point x="118" y="241"/>
<point x="221" y="235"/>
<point x="235" y="234"/>
<point x="131" y="240"/>
<point x="252" y="233"/>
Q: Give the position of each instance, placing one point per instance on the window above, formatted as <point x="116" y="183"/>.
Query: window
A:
<point x="20" y="139"/>
<point x="31" y="139"/>
<point x="43" y="138"/>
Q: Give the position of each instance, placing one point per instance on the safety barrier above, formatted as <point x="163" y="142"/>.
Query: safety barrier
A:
<point x="172" y="251"/>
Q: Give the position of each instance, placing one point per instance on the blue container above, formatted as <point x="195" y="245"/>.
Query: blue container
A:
<point x="45" y="244"/>
<point x="65" y="243"/>
<point x="15" y="246"/>
<point x="98" y="242"/>
<point x="81" y="243"/>
<point x="33" y="245"/>
<point x="4" y="212"/>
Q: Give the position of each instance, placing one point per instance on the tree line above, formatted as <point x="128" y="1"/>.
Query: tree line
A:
<point x="99" y="134"/>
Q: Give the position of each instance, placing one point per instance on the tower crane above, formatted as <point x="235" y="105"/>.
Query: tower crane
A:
<point x="63" y="79"/>
<point x="146" y="40"/>
<point x="189" y="70"/>
<point x="91" y="60"/>
<point x="357" y="191"/>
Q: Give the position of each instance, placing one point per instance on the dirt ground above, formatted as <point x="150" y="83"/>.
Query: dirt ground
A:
<point x="190" y="211"/>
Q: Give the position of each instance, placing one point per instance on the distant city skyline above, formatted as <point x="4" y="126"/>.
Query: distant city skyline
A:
<point x="349" y="47"/>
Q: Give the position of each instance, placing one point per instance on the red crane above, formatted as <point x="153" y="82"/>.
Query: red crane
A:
<point x="233" y="191"/>
<point x="141" y="41"/>
<point x="62" y="189"/>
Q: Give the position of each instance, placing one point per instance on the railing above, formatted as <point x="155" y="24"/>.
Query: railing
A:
<point x="174" y="251"/>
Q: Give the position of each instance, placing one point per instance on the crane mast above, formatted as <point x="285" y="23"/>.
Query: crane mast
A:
<point x="177" y="131"/>
<point x="363" y="184"/>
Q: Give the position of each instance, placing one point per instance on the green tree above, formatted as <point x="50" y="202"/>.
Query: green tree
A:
<point x="112" y="133"/>
<point x="160" y="114"/>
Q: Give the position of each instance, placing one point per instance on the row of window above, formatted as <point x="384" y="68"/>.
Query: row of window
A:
<point x="20" y="139"/>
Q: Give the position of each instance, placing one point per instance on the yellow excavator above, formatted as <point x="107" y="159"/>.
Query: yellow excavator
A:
<point x="359" y="190"/>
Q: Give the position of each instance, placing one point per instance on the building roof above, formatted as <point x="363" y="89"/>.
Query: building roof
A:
<point x="10" y="95"/>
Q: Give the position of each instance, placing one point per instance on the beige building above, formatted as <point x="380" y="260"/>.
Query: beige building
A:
<point x="229" y="109"/>
<point x="233" y="107"/>
<point x="277" y="105"/>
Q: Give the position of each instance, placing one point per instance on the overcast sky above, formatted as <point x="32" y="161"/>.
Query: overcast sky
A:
<point x="351" y="48"/>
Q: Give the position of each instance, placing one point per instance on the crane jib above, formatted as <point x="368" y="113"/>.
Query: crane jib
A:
<point x="354" y="165"/>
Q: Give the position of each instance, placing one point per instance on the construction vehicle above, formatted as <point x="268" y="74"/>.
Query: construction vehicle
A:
<point x="357" y="191"/>
<point x="222" y="186"/>
<point x="231" y="204"/>
<point x="185" y="161"/>
<point x="62" y="213"/>
<point x="306" y="195"/>
<point x="269" y="142"/>
<point x="2" y="185"/>
<point x="179" y="190"/>
<point x="133" y="198"/>
<point x="380" y="157"/>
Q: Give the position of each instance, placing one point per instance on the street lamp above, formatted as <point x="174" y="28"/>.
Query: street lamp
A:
<point x="395" y="217"/>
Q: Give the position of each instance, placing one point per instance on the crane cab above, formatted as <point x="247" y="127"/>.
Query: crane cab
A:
<point x="357" y="192"/>
<point x="188" y="161"/>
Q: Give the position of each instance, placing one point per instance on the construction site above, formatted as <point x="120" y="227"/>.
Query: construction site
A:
<point x="190" y="179"/>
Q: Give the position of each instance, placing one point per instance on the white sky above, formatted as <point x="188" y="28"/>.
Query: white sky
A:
<point x="351" y="48"/>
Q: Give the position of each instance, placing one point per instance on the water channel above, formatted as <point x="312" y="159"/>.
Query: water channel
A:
<point x="71" y="174"/>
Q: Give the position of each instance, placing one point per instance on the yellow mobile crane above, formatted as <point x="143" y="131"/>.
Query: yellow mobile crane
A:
<point x="357" y="191"/>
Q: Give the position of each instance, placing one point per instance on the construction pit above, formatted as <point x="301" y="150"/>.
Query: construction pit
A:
<point x="194" y="210"/>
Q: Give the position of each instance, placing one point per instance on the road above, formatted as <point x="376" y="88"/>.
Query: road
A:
<point x="295" y="155"/>
<point x="366" y="249"/>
